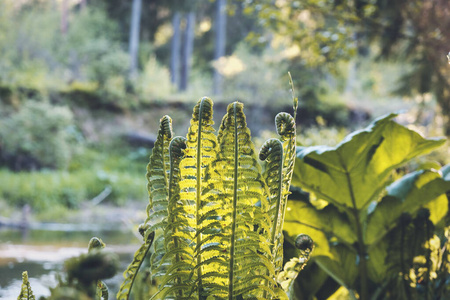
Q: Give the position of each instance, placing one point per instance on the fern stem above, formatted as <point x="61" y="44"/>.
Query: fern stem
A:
<point x="198" y="195"/>
<point x="233" y="224"/>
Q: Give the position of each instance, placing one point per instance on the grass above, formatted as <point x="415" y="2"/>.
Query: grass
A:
<point x="88" y="175"/>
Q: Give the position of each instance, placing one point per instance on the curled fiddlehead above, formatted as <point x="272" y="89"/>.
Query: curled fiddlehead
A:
<point x="285" y="124"/>
<point x="25" y="292"/>
<point x="95" y="243"/>
<point x="292" y="268"/>
<point x="102" y="291"/>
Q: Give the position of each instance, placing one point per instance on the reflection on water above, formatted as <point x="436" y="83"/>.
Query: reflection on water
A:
<point x="41" y="251"/>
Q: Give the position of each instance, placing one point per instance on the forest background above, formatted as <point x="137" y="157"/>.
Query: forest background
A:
<point x="83" y="83"/>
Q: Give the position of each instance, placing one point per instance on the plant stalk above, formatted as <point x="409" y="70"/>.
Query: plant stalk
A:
<point x="361" y="245"/>
<point x="233" y="220"/>
<point x="198" y="200"/>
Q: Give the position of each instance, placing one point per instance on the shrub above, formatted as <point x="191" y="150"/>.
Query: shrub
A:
<point x="36" y="137"/>
<point x="252" y="76"/>
<point x="154" y="81"/>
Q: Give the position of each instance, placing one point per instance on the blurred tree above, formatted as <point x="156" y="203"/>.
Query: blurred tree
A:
<point x="182" y="42"/>
<point x="175" y="48"/>
<point x="134" y="36"/>
<point x="418" y="33"/>
<point x="220" y="41"/>
<point x="188" y="47"/>
<point x="414" y="32"/>
<point x="64" y="17"/>
<point x="83" y="4"/>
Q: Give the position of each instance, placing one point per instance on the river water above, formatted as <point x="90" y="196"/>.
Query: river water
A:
<point x="42" y="250"/>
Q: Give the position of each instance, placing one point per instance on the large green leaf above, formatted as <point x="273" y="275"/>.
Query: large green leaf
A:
<point x="342" y="266"/>
<point x="351" y="174"/>
<point x="352" y="177"/>
<point x="408" y="195"/>
<point x="328" y="220"/>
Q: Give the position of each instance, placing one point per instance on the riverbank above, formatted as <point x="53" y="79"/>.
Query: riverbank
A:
<point x="42" y="247"/>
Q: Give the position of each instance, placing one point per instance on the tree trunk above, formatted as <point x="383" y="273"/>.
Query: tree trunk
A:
<point x="187" y="49"/>
<point x="64" y="17"/>
<point x="83" y="4"/>
<point x="134" y="36"/>
<point x="175" y="49"/>
<point x="220" y="42"/>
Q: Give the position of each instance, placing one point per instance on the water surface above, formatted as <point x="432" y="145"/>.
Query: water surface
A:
<point x="42" y="250"/>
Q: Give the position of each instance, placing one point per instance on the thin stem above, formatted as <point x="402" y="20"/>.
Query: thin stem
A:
<point x="361" y="245"/>
<point x="175" y="240"/>
<point x="402" y="262"/>
<point x="233" y="220"/>
<point x="277" y="228"/>
<point x="198" y="200"/>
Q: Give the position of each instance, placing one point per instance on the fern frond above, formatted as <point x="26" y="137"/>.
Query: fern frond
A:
<point x="240" y="186"/>
<point x="292" y="268"/>
<point x="285" y="125"/>
<point x="272" y="153"/>
<point x="132" y="270"/>
<point x="201" y="150"/>
<point x="102" y="289"/>
<point x="158" y="172"/>
<point x="25" y="292"/>
<point x="178" y="233"/>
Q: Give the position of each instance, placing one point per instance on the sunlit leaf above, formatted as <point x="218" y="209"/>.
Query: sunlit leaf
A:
<point x="354" y="172"/>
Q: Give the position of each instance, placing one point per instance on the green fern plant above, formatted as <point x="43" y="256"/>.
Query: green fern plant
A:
<point x="216" y="214"/>
<point x="25" y="292"/>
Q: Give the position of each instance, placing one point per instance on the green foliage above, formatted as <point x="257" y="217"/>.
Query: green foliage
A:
<point x="154" y="81"/>
<point x="317" y="29"/>
<point x="90" y="172"/>
<point x="41" y="139"/>
<point x="357" y="214"/>
<point x="216" y="216"/>
<point x="132" y="271"/>
<point x="83" y="274"/>
<point x="82" y="279"/>
<point x="25" y="293"/>
<point x="249" y="75"/>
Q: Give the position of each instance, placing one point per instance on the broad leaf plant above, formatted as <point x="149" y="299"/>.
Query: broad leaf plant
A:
<point x="367" y="229"/>
<point x="215" y="216"/>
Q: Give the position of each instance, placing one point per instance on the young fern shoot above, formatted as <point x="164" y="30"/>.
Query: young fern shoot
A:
<point x="217" y="218"/>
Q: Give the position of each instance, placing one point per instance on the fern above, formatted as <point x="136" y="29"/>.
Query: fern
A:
<point x="26" y="293"/>
<point x="218" y="217"/>
<point x="201" y="149"/>
<point x="291" y="269"/>
<point x="102" y="289"/>
<point x="158" y="172"/>
<point x="132" y="270"/>
<point x="241" y="187"/>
